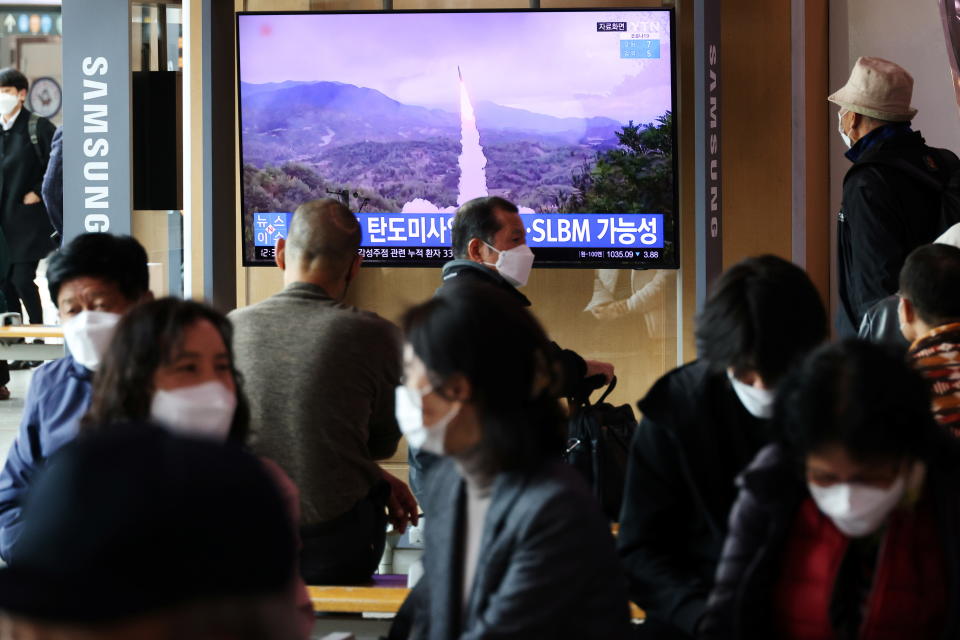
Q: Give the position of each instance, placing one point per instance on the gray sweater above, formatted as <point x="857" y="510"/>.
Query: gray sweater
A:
<point x="320" y="377"/>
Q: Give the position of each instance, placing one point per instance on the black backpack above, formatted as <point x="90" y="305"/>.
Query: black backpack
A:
<point x="598" y="445"/>
<point x="940" y="172"/>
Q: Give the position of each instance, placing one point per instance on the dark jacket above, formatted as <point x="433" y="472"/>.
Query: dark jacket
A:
<point x="693" y="440"/>
<point x="59" y="395"/>
<point x="885" y="215"/>
<point x="881" y="324"/>
<point x="26" y="226"/>
<point x="546" y="569"/>
<point x="53" y="184"/>
<point x="771" y="490"/>
<point x="573" y="366"/>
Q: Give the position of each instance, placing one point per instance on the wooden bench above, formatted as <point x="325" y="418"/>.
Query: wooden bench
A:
<point x="384" y="598"/>
<point x="10" y="349"/>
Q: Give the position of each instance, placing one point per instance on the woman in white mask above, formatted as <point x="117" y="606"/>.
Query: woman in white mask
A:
<point x="170" y="362"/>
<point x="516" y="544"/>
<point x="848" y="527"/>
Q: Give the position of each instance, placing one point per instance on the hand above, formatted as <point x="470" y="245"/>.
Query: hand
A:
<point x="31" y="198"/>
<point x="610" y="310"/>
<point x="597" y="368"/>
<point x="401" y="505"/>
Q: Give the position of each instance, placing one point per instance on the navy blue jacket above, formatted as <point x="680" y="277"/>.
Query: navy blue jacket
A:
<point x="58" y="397"/>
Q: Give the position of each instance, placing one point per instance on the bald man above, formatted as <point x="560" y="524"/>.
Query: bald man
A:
<point x="321" y="377"/>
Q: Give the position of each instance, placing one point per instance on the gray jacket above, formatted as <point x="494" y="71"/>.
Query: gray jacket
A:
<point x="547" y="567"/>
<point x="321" y="378"/>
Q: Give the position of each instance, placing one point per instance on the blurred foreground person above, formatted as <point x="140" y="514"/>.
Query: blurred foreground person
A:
<point x="702" y="424"/>
<point x="94" y="279"/>
<point x="848" y="528"/>
<point x="516" y="544"/>
<point x="136" y="534"/>
<point x="170" y="362"/>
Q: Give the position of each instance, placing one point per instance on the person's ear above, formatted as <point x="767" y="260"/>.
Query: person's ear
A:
<point x="458" y="388"/>
<point x="905" y="312"/>
<point x="22" y="94"/>
<point x="147" y="296"/>
<point x="475" y="250"/>
<point x="280" y="253"/>
<point x="855" y="123"/>
<point x="355" y="267"/>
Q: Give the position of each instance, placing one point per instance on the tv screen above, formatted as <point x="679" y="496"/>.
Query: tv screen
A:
<point x="404" y="116"/>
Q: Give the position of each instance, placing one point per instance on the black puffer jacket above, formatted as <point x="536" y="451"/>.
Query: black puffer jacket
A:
<point x="885" y="215"/>
<point x="771" y="490"/>
<point x="573" y="366"/>
<point x="695" y="437"/>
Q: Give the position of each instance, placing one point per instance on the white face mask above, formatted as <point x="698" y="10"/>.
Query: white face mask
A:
<point x="8" y="103"/>
<point x="514" y="264"/>
<point x="204" y="410"/>
<point x="409" y="413"/>
<point x="88" y="334"/>
<point x="846" y="139"/>
<point x="759" y="402"/>
<point x="855" y="509"/>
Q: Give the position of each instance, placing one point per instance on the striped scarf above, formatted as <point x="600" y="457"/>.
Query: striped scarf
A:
<point x="936" y="355"/>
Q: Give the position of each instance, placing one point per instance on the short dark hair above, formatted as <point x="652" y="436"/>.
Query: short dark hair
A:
<point x="119" y="259"/>
<point x="762" y="314"/>
<point x="145" y="338"/>
<point x="475" y="219"/>
<point x="930" y="280"/>
<point x="324" y="231"/>
<point x="10" y="77"/>
<point x="483" y="334"/>
<point x="860" y="395"/>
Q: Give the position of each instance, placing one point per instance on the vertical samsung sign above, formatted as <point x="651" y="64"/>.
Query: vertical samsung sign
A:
<point x="97" y="158"/>
<point x="709" y="196"/>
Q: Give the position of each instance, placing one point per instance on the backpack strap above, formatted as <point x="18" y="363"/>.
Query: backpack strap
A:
<point x="34" y="138"/>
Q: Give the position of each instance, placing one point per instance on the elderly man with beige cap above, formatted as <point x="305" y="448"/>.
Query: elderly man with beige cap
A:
<point x="888" y="207"/>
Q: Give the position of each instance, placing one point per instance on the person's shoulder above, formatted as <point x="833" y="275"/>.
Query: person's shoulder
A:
<point x="49" y="377"/>
<point x="772" y="473"/>
<point x="355" y="319"/>
<point x="677" y="391"/>
<point x="557" y="493"/>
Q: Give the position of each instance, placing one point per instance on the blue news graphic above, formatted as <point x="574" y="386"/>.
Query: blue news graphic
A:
<point x="640" y="48"/>
<point x="414" y="236"/>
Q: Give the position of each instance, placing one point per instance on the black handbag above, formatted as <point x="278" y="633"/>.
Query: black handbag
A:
<point x="598" y="445"/>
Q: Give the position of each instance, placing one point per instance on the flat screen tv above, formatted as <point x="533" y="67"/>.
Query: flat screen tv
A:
<point x="404" y="116"/>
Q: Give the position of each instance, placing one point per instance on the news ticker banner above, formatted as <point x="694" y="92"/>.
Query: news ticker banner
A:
<point x="427" y="236"/>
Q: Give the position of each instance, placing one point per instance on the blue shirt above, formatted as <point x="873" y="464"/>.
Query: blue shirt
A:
<point x="58" y="397"/>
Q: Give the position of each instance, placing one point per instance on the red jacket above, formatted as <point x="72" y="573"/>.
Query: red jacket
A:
<point x="908" y="593"/>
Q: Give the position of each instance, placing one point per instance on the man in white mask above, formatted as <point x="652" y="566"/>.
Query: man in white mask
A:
<point x="25" y="140"/>
<point x="93" y="280"/>
<point x="702" y="423"/>
<point x="490" y="246"/>
<point x="891" y="193"/>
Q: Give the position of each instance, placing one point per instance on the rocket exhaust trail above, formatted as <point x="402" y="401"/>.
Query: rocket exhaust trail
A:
<point x="473" y="174"/>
